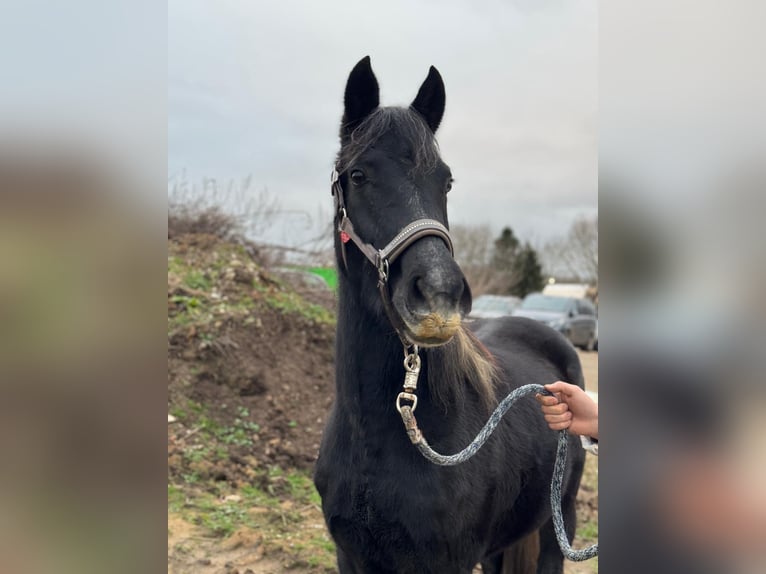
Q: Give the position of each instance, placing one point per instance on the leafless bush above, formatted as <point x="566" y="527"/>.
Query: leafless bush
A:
<point x="575" y="256"/>
<point x="227" y="209"/>
<point x="183" y="219"/>
<point x="235" y="210"/>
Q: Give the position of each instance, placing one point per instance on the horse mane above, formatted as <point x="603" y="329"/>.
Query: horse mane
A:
<point x="406" y="124"/>
<point x="461" y="364"/>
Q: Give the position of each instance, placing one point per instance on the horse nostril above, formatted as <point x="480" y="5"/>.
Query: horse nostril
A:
<point x="429" y="296"/>
<point x="418" y="298"/>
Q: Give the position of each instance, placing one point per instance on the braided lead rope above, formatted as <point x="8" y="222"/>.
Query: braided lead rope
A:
<point x="417" y="438"/>
<point x="558" y="519"/>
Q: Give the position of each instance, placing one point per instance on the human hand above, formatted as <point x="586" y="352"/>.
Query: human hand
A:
<point x="571" y="409"/>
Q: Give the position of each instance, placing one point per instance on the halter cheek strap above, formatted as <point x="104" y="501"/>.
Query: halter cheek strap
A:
<point x="383" y="258"/>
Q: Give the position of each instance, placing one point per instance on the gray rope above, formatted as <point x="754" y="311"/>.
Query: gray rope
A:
<point x="558" y="468"/>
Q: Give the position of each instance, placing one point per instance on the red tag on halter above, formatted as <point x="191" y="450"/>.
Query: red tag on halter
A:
<point x="344" y="237"/>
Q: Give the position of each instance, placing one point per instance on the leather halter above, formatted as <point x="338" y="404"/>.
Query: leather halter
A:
<point x="381" y="259"/>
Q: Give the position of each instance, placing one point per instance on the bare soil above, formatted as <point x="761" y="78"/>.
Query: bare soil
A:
<point x="589" y="362"/>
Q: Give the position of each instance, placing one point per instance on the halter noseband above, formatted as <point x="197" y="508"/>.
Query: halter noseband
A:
<point x="381" y="259"/>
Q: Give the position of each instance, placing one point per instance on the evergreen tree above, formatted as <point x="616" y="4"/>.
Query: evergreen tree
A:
<point x="504" y="253"/>
<point x="527" y="271"/>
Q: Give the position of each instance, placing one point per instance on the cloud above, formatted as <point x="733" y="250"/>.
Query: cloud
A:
<point x="257" y="88"/>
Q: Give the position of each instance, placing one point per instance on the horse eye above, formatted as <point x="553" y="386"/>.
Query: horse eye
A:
<point x="357" y="177"/>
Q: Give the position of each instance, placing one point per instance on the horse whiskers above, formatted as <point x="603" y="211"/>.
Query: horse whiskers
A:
<point x="436" y="326"/>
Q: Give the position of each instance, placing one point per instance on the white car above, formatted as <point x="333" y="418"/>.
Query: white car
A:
<point x="493" y="306"/>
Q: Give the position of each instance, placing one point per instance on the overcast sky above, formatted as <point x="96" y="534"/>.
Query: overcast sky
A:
<point x="257" y="87"/>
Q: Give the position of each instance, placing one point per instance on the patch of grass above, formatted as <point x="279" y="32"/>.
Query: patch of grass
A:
<point x="317" y="552"/>
<point x="191" y="478"/>
<point x="322" y="552"/>
<point x="196" y="279"/>
<point x="302" y="488"/>
<point x="290" y="302"/>
<point x="195" y="407"/>
<point x="240" y="433"/>
<point x="291" y="523"/>
<point x="186" y="411"/>
<point x="223" y="519"/>
<point x="176" y="498"/>
<point x="186" y="301"/>
<point x="254" y="496"/>
<point x="208" y="426"/>
<point x="197" y="453"/>
<point x="205" y="509"/>
<point x="588" y="531"/>
<point x="176" y="266"/>
<point x="180" y="321"/>
<point x="229" y="299"/>
<point x="244" y="304"/>
<point x="189" y="311"/>
<point x="221" y="453"/>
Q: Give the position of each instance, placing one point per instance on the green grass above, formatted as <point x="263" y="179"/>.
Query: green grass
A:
<point x="187" y="302"/>
<point x="197" y="454"/>
<point x="588" y="531"/>
<point x="203" y="311"/>
<point x="176" y="266"/>
<point x="196" y="279"/>
<point x="289" y="519"/>
<point x="223" y="519"/>
<point x="179" y="412"/>
<point x="257" y="497"/>
<point x="291" y="302"/>
<point x="176" y="498"/>
<point x="302" y="488"/>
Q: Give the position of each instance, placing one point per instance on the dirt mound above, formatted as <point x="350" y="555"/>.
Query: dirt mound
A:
<point x="250" y="365"/>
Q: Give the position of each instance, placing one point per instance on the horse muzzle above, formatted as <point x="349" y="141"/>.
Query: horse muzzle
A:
<point x="432" y="306"/>
<point x="434" y="329"/>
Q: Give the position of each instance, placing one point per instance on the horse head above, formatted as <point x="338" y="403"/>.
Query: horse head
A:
<point x="391" y="175"/>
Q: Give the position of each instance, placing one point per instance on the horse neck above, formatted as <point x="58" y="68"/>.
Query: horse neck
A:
<point x="369" y="370"/>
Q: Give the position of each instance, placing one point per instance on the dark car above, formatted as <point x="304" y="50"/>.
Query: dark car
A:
<point x="574" y="318"/>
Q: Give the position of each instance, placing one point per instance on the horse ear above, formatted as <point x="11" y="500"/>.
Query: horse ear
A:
<point x="362" y="95"/>
<point x="430" y="100"/>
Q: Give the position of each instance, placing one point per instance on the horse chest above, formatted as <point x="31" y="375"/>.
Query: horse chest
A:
<point x="386" y="525"/>
<point x="394" y="508"/>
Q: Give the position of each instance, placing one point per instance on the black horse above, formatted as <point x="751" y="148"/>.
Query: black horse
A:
<point x="387" y="508"/>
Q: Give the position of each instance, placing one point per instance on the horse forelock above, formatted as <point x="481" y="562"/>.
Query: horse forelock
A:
<point x="407" y="125"/>
<point x="464" y="361"/>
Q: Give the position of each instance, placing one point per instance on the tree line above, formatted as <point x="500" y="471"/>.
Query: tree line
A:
<point x="506" y="265"/>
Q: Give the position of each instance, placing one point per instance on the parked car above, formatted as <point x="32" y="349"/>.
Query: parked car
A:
<point x="492" y="306"/>
<point x="574" y="318"/>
